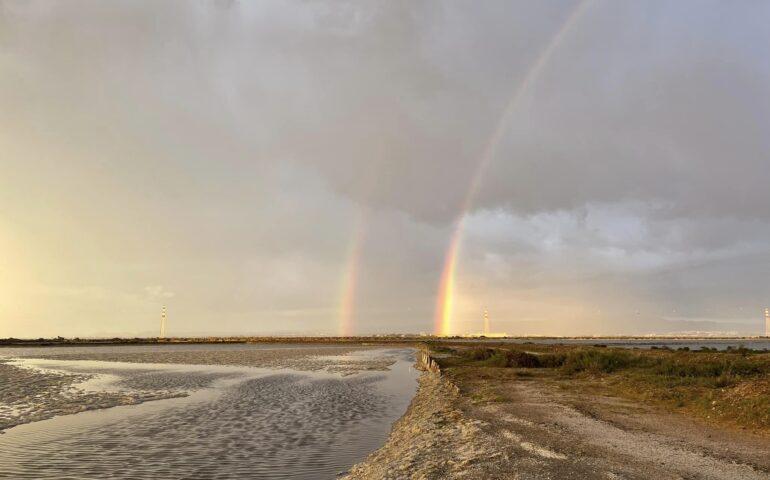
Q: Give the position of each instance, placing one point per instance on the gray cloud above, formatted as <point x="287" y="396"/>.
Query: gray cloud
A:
<point x="225" y="148"/>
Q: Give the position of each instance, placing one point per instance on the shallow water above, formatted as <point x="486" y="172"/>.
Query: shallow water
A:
<point x="238" y="422"/>
<point x="695" y="344"/>
<point x="201" y="348"/>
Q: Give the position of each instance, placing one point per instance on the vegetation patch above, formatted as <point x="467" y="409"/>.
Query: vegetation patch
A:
<point x="731" y="386"/>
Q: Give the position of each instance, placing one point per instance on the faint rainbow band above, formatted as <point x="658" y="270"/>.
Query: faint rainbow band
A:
<point x="349" y="286"/>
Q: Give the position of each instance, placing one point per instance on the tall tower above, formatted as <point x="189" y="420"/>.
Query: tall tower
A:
<point x="163" y="322"/>
<point x="767" y="322"/>
<point x="486" y="321"/>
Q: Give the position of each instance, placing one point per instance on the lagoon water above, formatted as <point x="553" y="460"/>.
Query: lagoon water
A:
<point x="673" y="343"/>
<point x="235" y="422"/>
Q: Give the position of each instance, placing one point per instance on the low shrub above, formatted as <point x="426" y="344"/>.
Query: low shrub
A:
<point x="505" y="358"/>
<point x="441" y="348"/>
<point x="552" y="360"/>
<point x="707" y="369"/>
<point x="597" y="361"/>
<point x="479" y="353"/>
<point x="519" y="359"/>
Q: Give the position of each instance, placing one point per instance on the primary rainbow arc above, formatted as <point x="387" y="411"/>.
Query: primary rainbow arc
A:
<point x="446" y="293"/>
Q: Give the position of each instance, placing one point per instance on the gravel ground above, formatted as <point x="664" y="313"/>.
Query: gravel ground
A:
<point x="434" y="439"/>
<point x="541" y="432"/>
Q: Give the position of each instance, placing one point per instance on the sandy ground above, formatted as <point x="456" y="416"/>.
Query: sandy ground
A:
<point x="542" y="432"/>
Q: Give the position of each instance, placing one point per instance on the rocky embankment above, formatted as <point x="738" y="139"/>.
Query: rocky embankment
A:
<point x="432" y="440"/>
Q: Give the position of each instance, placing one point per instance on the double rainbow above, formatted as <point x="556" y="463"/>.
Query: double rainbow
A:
<point x="446" y="293"/>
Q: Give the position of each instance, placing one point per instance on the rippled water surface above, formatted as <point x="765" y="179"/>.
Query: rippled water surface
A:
<point x="237" y="422"/>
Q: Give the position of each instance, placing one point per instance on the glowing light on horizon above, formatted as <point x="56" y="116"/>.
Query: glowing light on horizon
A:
<point x="445" y="299"/>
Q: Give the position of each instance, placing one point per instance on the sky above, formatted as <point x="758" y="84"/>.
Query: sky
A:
<point x="286" y="167"/>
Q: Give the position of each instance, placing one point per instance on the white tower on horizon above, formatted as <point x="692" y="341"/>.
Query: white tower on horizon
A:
<point x="486" y="321"/>
<point x="767" y="322"/>
<point x="163" y="322"/>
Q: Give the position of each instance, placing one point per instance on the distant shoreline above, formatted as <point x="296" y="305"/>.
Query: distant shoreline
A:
<point x="380" y="339"/>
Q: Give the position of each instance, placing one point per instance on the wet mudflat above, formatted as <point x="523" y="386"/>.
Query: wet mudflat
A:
<point x="206" y="421"/>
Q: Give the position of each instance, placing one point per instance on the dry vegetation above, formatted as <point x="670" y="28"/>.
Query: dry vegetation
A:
<point x="729" y="387"/>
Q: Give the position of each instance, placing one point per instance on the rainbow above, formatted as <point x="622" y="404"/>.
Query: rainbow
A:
<point x="446" y="294"/>
<point x="445" y="299"/>
<point x="350" y="276"/>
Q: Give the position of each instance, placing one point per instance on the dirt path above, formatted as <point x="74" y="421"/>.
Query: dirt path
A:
<point x="542" y="432"/>
<point x="601" y="437"/>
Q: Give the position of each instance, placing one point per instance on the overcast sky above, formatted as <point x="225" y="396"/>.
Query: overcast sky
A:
<point x="225" y="158"/>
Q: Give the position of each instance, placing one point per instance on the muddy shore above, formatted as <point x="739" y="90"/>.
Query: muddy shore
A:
<point x="33" y="394"/>
<point x="28" y="395"/>
<point x="309" y="358"/>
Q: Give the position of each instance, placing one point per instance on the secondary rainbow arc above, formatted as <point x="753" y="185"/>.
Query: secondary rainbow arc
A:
<point x="347" y="304"/>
